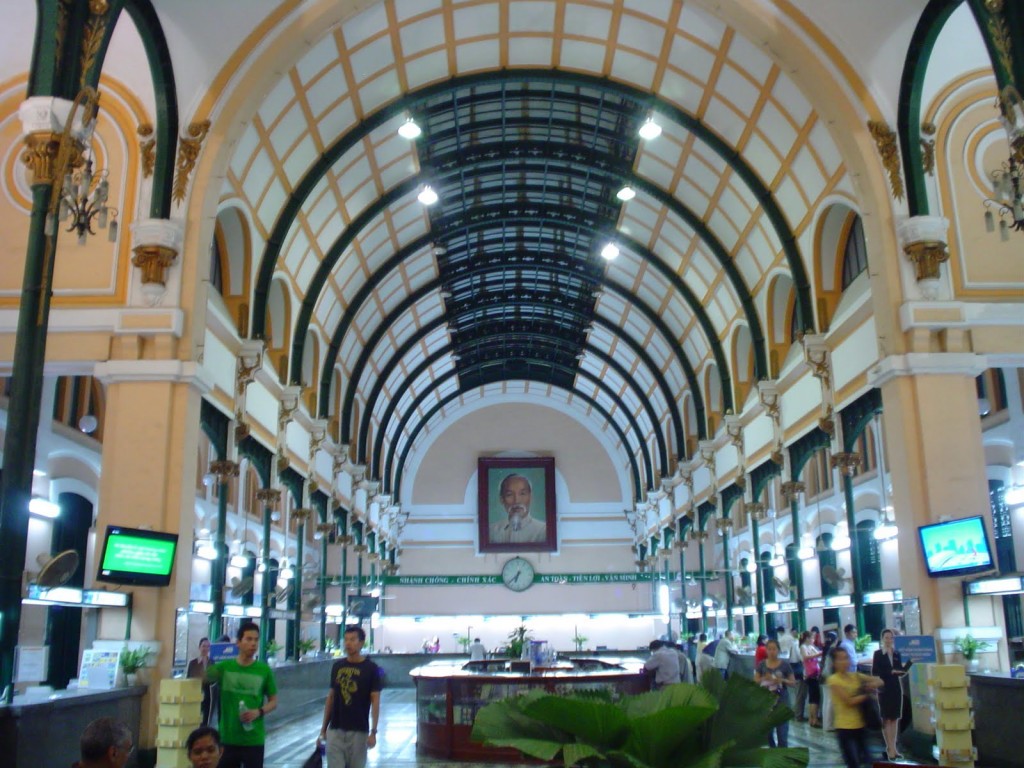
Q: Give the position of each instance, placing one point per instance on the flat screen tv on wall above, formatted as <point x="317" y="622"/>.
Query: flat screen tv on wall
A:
<point x="137" y="557"/>
<point x="956" y="547"/>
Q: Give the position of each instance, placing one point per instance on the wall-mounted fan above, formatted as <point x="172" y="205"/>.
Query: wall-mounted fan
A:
<point x="240" y="587"/>
<point x="744" y="595"/>
<point x="282" y="593"/>
<point x="57" y="570"/>
<point x="311" y="603"/>
<point x="835" y="577"/>
<point x="782" y="588"/>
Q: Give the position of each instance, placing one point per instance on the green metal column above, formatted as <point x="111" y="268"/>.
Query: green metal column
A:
<point x="759" y="576"/>
<point x="300" y="537"/>
<point x="682" y="589"/>
<point x="704" y="585"/>
<point x="269" y="497"/>
<point x="323" y="582"/>
<point x="855" y="554"/>
<point x="728" y="581"/>
<point x="218" y="568"/>
<point x="794" y="510"/>
<point x="22" y="426"/>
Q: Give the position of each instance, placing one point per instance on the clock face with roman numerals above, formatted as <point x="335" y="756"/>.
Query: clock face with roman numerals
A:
<point x="517" y="574"/>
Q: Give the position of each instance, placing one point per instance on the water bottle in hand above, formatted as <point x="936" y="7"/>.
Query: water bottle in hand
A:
<point x="242" y="709"/>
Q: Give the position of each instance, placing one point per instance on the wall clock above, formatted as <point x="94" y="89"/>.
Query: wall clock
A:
<point x="517" y="574"/>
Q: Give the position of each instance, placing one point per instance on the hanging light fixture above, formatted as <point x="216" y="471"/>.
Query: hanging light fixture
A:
<point x="409" y="129"/>
<point x="1007" y="200"/>
<point x="427" y="195"/>
<point x="626" y="193"/>
<point x="841" y="538"/>
<point x="610" y="251"/>
<point x="83" y="204"/>
<point x="650" y="129"/>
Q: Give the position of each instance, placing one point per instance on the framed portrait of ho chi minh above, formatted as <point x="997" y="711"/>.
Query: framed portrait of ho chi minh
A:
<point x="516" y="504"/>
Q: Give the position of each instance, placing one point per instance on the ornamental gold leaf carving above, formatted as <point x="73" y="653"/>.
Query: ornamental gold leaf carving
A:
<point x="885" y="140"/>
<point x="188" y="153"/>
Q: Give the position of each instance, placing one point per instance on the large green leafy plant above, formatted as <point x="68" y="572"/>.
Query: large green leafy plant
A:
<point x="711" y="725"/>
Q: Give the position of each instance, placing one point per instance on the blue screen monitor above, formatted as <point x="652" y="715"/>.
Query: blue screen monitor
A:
<point x="956" y="547"/>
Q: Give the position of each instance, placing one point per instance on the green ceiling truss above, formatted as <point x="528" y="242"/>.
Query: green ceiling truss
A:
<point x="459" y="393"/>
<point x="440" y="322"/>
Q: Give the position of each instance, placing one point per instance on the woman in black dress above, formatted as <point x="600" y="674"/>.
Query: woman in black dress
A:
<point x="888" y="665"/>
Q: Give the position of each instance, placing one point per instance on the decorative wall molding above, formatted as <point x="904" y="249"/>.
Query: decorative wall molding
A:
<point x="927" y="364"/>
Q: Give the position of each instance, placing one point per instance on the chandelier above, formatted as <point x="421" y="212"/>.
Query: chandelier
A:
<point x="1007" y="200"/>
<point x="83" y="204"/>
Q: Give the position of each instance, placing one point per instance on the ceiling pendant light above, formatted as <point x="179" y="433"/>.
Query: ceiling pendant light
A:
<point x="409" y="129"/>
<point x="626" y="193"/>
<point x="650" y="129"/>
<point x="610" y="251"/>
<point x="427" y="195"/>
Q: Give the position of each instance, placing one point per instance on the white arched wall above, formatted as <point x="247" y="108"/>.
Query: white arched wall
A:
<point x="592" y="488"/>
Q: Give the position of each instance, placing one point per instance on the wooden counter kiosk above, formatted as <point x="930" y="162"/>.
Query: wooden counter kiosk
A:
<point x="449" y="694"/>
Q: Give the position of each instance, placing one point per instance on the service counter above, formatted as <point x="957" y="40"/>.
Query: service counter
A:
<point x="998" y="702"/>
<point x="450" y="693"/>
<point x="43" y="731"/>
<point x="300" y="685"/>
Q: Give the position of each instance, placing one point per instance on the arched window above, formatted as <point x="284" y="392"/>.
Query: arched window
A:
<point x="855" y="253"/>
<point x="216" y="271"/>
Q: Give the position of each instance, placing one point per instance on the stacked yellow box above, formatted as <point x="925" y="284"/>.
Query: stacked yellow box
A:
<point x="952" y="716"/>
<point x="179" y="715"/>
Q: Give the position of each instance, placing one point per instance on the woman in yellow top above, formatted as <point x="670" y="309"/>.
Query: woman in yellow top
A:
<point x="849" y="691"/>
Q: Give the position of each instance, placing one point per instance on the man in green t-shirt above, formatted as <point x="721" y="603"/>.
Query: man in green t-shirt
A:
<point x="248" y="692"/>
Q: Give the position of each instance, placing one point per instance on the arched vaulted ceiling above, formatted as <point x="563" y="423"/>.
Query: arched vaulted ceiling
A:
<point x="530" y="114"/>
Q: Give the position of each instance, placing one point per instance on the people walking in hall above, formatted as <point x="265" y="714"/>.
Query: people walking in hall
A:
<point x="203" y="747"/>
<point x="705" y="656"/>
<point x="850" y="689"/>
<point x="352" y="708"/>
<point x="776" y="675"/>
<point x="105" y="743"/>
<point x="811" y="658"/>
<point x="831" y="638"/>
<point x="849" y="642"/>
<point x="789" y="649"/>
<point x="724" y="652"/>
<point x="197" y="668"/>
<point x="664" y="663"/>
<point x="888" y="667"/>
<point x="760" y="653"/>
<point x="248" y="692"/>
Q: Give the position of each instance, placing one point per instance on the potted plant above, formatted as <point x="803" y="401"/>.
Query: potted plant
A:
<point x="132" y="660"/>
<point x="579" y="640"/>
<point x="306" y="646"/>
<point x="861" y="643"/>
<point x="969" y="647"/>
<point x="270" y="651"/>
<point x="464" y="642"/>
<point x="716" y="723"/>
<point x="517" y="640"/>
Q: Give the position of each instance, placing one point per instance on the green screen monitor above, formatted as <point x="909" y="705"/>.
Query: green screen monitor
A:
<point x="137" y="557"/>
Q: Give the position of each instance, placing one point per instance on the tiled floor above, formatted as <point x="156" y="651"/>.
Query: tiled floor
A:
<point x="290" y="744"/>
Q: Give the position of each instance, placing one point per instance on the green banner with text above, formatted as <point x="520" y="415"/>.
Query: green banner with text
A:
<point x="540" y="578"/>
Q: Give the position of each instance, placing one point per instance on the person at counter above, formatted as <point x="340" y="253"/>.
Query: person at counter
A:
<point x="724" y="652"/>
<point x="353" y="697"/>
<point x="477" y="650"/>
<point x="664" y="663"/>
<point x="849" y="642"/>
<point x="197" y="669"/>
<point x="760" y="652"/>
<point x="105" y="743"/>
<point x="888" y="667"/>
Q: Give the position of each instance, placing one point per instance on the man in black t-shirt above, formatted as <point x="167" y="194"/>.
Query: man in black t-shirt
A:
<point x="352" y="701"/>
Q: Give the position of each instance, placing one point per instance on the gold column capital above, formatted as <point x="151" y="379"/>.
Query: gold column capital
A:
<point x="846" y="462"/>
<point x="927" y="255"/>
<point x="224" y="469"/>
<point x="153" y="260"/>
<point x="40" y="155"/>
<point x="792" y="489"/>
<point x="269" y="497"/>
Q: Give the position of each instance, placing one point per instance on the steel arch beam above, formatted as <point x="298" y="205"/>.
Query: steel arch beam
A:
<point x="378" y="443"/>
<point x="442" y="320"/>
<point x="409" y="102"/>
<point x="458" y="393"/>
